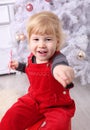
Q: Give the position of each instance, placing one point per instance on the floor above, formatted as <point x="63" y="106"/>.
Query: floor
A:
<point x="15" y="85"/>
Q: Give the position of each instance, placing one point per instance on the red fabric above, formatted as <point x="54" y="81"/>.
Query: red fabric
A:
<point x="46" y="98"/>
<point x="38" y="124"/>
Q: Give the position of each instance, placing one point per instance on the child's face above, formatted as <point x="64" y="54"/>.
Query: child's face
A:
<point x="43" y="47"/>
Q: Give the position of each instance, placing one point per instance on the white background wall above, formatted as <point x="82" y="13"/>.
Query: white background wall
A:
<point x="6" y="40"/>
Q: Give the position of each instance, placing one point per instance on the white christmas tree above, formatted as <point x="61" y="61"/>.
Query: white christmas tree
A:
<point x="75" y="17"/>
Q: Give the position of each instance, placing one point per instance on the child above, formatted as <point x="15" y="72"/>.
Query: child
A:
<point x="46" y="97"/>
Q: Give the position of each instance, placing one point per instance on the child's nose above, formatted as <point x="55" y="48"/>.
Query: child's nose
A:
<point x="42" y="44"/>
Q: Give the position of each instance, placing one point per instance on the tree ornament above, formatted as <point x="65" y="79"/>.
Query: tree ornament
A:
<point x="29" y="7"/>
<point x="48" y="0"/>
<point x="81" y="55"/>
<point x="22" y="37"/>
<point x="17" y="37"/>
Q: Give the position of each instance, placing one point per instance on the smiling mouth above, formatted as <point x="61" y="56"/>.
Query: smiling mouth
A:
<point x="42" y="53"/>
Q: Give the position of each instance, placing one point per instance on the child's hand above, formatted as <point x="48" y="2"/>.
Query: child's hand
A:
<point x="63" y="74"/>
<point x="14" y="64"/>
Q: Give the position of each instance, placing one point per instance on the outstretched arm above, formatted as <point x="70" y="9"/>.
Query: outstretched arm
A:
<point x="62" y="72"/>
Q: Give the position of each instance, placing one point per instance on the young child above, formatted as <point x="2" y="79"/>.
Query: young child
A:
<point x="46" y="97"/>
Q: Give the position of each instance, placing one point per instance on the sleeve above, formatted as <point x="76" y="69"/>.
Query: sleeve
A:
<point x="21" y="67"/>
<point x="59" y="59"/>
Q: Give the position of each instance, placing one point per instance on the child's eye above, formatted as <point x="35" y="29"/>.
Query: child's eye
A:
<point x="48" y="39"/>
<point x="36" y="39"/>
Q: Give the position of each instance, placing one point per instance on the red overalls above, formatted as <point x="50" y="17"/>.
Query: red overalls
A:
<point x="46" y="98"/>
